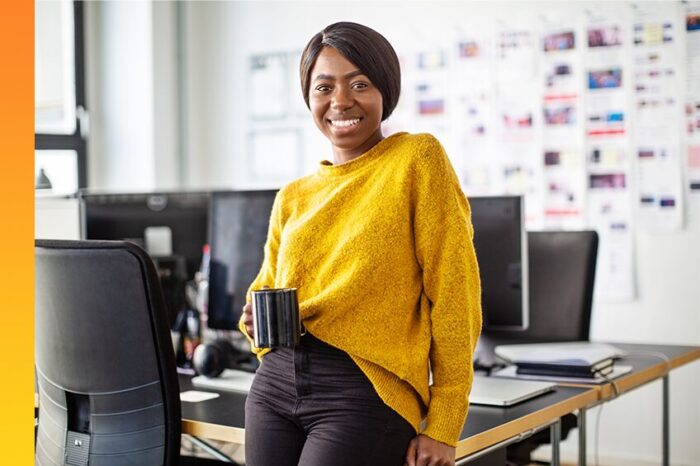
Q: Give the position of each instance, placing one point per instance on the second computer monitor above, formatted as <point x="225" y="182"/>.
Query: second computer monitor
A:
<point x="238" y="229"/>
<point x="501" y="249"/>
<point x="164" y="223"/>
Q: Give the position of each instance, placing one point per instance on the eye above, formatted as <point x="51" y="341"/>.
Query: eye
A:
<point x="322" y="88"/>
<point x="360" y="85"/>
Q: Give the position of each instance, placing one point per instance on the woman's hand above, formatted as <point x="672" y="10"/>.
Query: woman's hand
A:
<point x="248" y="318"/>
<point x="424" y="451"/>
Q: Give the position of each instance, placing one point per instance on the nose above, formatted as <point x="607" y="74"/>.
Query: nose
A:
<point x="342" y="98"/>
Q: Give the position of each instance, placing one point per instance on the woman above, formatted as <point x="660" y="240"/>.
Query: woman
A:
<point x="379" y="245"/>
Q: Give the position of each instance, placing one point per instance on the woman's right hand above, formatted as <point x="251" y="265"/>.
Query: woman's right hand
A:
<point x="248" y="318"/>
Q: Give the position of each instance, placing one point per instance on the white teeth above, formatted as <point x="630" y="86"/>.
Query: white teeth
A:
<point x="345" y="123"/>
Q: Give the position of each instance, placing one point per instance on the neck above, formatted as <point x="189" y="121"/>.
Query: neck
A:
<point x="341" y="155"/>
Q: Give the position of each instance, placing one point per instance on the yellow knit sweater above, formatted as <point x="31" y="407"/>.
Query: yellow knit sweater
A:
<point x="380" y="249"/>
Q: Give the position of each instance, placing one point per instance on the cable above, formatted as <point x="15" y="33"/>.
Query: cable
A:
<point x="654" y="354"/>
<point x="616" y="391"/>
<point x="613" y="384"/>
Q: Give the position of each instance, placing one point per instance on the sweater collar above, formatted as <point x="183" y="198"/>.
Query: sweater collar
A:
<point x="327" y="168"/>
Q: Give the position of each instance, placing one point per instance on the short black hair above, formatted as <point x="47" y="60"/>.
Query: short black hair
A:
<point x="365" y="48"/>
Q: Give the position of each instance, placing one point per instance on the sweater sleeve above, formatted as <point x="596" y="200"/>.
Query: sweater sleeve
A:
<point x="444" y="248"/>
<point x="268" y="269"/>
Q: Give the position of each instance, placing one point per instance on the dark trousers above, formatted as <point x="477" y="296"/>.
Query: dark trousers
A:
<point x="312" y="406"/>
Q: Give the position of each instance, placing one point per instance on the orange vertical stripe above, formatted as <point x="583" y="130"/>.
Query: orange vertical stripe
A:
<point x="17" y="226"/>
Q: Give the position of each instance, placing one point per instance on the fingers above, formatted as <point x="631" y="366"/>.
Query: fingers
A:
<point x="411" y="452"/>
<point x="424" y="458"/>
<point x="429" y="452"/>
<point x="248" y="318"/>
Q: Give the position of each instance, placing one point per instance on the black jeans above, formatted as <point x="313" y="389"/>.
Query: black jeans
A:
<point x="312" y="406"/>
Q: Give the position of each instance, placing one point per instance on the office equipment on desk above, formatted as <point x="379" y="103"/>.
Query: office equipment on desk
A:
<point x="108" y="388"/>
<point x="561" y="278"/>
<point x="238" y="230"/>
<point x="230" y="380"/>
<point x="510" y="372"/>
<point x="501" y="249"/>
<point x="505" y="392"/>
<point x="545" y="350"/>
<point x="165" y="221"/>
<point x="581" y="359"/>
<point x="574" y="369"/>
<point x="195" y="396"/>
<point x="212" y="358"/>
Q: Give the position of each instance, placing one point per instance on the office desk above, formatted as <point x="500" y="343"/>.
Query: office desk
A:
<point x="490" y="427"/>
<point x="486" y="427"/>
<point x="219" y="419"/>
<point x="647" y="366"/>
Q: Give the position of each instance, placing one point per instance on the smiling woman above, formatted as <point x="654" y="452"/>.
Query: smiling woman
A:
<point x="351" y="81"/>
<point x="378" y="244"/>
<point x="346" y="106"/>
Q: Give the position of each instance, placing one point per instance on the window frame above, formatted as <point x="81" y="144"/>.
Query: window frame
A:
<point x="78" y="140"/>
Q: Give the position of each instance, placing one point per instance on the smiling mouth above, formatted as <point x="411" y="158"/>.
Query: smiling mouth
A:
<point x="344" y="123"/>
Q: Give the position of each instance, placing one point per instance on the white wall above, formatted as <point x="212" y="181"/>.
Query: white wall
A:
<point x="133" y="95"/>
<point x="166" y="102"/>
<point x="218" y="38"/>
<point x="211" y="109"/>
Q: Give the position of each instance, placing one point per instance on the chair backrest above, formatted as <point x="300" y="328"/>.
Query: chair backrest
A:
<point x="108" y="389"/>
<point x="561" y="274"/>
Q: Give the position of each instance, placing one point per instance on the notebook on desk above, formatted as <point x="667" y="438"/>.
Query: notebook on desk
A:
<point x="549" y="351"/>
<point x="492" y="391"/>
<point x="511" y="372"/>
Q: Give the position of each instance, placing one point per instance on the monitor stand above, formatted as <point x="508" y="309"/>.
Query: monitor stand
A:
<point x="484" y="354"/>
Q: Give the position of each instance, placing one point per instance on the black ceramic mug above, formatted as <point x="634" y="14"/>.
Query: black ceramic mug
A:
<point x="276" y="320"/>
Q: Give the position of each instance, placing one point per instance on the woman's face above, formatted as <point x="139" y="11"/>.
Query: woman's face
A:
<point x="346" y="106"/>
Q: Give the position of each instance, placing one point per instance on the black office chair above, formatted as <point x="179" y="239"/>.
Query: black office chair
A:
<point x="561" y="276"/>
<point x="106" y="376"/>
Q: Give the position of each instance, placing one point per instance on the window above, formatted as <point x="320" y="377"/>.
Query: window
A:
<point x="60" y="129"/>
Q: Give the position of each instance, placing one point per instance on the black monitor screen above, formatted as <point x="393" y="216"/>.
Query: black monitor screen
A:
<point x="239" y="224"/>
<point x="501" y="248"/>
<point x="127" y="216"/>
<point x="172" y="225"/>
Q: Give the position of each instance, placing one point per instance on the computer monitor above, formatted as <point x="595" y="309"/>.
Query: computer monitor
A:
<point x="171" y="226"/>
<point x="238" y="231"/>
<point x="500" y="241"/>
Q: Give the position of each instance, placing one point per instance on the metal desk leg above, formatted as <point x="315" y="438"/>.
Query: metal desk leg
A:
<point x="582" y="437"/>
<point x="665" y="445"/>
<point x="555" y="436"/>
